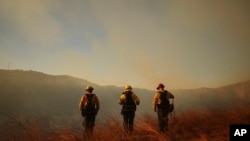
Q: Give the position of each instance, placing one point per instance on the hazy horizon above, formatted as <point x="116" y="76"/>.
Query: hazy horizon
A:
<point x="91" y="82"/>
<point x="183" y="44"/>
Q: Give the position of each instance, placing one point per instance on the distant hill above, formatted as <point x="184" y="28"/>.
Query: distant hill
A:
<point x="221" y="97"/>
<point x="31" y="92"/>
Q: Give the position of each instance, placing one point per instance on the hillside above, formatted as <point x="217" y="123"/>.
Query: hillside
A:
<point x="42" y="104"/>
<point x="22" y="91"/>
<point x="47" y="94"/>
<point x="221" y="97"/>
<point x="30" y="92"/>
<point x="206" y="125"/>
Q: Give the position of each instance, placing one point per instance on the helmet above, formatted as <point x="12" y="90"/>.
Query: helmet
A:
<point x="160" y="86"/>
<point x="128" y="88"/>
<point x="89" y="88"/>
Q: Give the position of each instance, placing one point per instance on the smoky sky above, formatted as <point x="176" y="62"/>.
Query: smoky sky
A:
<point x="183" y="44"/>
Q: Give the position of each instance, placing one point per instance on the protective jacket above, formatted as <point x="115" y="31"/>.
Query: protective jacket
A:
<point x="84" y="100"/>
<point x="157" y="99"/>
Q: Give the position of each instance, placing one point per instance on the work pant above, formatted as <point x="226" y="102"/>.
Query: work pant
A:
<point x="128" y="121"/>
<point x="162" y="120"/>
<point x="88" y="124"/>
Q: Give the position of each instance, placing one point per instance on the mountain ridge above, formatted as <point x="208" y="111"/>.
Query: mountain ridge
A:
<point x="93" y="83"/>
<point x="60" y="94"/>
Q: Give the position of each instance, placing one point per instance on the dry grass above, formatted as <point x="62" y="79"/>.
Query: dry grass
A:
<point x="203" y="125"/>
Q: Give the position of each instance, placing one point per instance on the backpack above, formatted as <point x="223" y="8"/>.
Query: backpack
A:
<point x="129" y="105"/>
<point x="164" y="105"/>
<point x="89" y="108"/>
